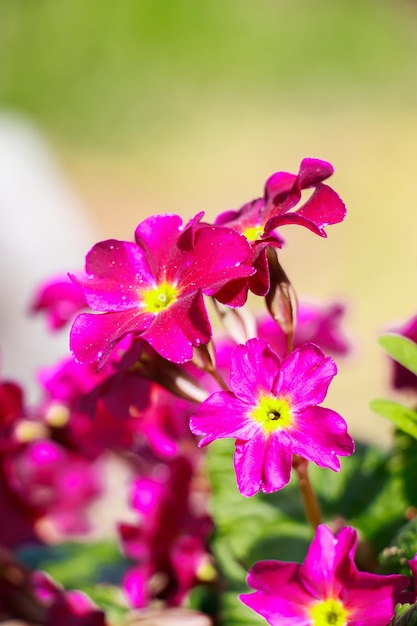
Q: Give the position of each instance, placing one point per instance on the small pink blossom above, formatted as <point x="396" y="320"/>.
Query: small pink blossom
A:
<point x="327" y="588"/>
<point x="258" y="220"/>
<point x="272" y="413"/>
<point x="60" y="300"/>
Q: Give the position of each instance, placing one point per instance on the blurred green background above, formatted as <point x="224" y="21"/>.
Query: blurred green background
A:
<point x="187" y="105"/>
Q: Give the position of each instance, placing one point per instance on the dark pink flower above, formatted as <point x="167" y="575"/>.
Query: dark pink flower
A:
<point x="169" y="543"/>
<point x="11" y="410"/>
<point x="66" y="608"/>
<point x="55" y="484"/>
<point x="259" y="219"/>
<point x="272" y="413"/>
<point x="60" y="299"/>
<point x="326" y="589"/>
<point x="154" y="287"/>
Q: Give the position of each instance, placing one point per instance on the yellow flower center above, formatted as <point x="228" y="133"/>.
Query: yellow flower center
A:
<point x="329" y="613"/>
<point x="159" y="298"/>
<point x="253" y="232"/>
<point x="272" y="413"/>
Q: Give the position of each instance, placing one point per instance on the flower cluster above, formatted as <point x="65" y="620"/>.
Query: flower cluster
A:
<point x="149" y="385"/>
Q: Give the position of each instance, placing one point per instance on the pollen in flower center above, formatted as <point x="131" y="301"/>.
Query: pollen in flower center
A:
<point x="272" y="413"/>
<point x="329" y="613"/>
<point x="159" y="298"/>
<point x="252" y="233"/>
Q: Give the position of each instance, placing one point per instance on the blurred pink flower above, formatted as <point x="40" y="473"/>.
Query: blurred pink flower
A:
<point x="59" y="299"/>
<point x="168" y="544"/>
<point x="315" y="323"/>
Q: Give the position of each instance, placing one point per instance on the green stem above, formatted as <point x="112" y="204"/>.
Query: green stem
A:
<point x="308" y="496"/>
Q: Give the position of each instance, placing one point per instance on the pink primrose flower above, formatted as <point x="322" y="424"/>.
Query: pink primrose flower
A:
<point x="272" y="412"/>
<point x="326" y="589"/>
<point x="258" y="219"/>
<point x="154" y="287"/>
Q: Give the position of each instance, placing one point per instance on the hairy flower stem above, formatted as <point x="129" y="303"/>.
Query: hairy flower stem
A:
<point x="308" y="496"/>
<point x="204" y="359"/>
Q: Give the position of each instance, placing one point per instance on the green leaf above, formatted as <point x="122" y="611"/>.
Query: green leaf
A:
<point x="401" y="349"/>
<point x="404" y="418"/>
<point x="405" y="615"/>
<point x="111" y="600"/>
<point x="78" y="565"/>
<point x="394" y="559"/>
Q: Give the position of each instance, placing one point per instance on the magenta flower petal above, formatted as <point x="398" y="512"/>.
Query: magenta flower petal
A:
<point x="263" y="464"/>
<point x="60" y="299"/>
<point x="369" y="596"/>
<point x="313" y="171"/>
<point x="289" y="608"/>
<point x="321" y="434"/>
<point x="93" y="337"/>
<point x="333" y="557"/>
<point x="234" y="422"/>
<point x="218" y="250"/>
<point x="279" y="185"/>
<point x="254" y="367"/>
<point x="112" y="269"/>
<point x="248" y="464"/>
<point x="162" y="260"/>
<point x="306" y="375"/>
<point x="323" y="208"/>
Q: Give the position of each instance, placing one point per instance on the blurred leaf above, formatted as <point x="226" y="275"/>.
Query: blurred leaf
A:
<point x="109" y="599"/>
<point x="77" y="565"/>
<point x="405" y="615"/>
<point x="401" y="349"/>
<point x="404" y="418"/>
<point x="394" y="559"/>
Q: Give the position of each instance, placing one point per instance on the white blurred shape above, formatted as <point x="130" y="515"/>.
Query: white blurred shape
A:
<point x="44" y="231"/>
